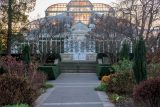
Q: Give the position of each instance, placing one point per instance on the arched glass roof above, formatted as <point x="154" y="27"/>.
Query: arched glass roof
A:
<point x="57" y="7"/>
<point x="79" y="3"/>
<point x="80" y="10"/>
<point x="47" y="26"/>
<point x="101" y="7"/>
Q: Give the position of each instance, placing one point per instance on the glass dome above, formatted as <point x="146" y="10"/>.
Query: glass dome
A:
<point x="80" y="10"/>
<point x="79" y="3"/>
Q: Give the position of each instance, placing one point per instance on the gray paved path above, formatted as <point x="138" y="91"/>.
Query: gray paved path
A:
<point x="74" y="90"/>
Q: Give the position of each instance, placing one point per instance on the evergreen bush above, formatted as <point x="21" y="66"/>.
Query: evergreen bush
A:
<point x="123" y="65"/>
<point x="124" y="53"/>
<point x="139" y="65"/>
<point x="26" y="54"/>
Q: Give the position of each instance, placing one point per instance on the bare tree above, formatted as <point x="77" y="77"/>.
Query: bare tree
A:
<point x="145" y="14"/>
<point x="43" y="32"/>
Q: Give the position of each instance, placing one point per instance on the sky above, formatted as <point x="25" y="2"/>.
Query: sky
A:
<point x="41" y="6"/>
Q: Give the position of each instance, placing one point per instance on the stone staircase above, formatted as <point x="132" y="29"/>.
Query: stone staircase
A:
<point x="78" y="67"/>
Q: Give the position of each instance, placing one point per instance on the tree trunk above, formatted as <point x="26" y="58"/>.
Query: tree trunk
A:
<point x="9" y="35"/>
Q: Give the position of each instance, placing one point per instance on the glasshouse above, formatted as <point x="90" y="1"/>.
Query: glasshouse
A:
<point x="70" y="29"/>
<point x="79" y="53"/>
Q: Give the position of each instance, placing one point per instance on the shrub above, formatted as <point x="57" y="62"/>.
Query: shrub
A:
<point x="15" y="89"/>
<point x="124" y="54"/>
<point x="123" y="65"/>
<point x="102" y="87"/>
<point x="153" y="70"/>
<point x="17" y="85"/>
<point x="11" y="65"/>
<point x="8" y="63"/>
<point x="104" y="70"/>
<point x="36" y="79"/>
<point x="153" y="57"/>
<point x="139" y="65"/>
<point x="50" y="58"/>
<point x="117" y="98"/>
<point x="56" y="55"/>
<point x="47" y="85"/>
<point x="101" y="55"/>
<point x="147" y="93"/>
<point x="121" y="82"/>
<point x="105" y="79"/>
<point x="26" y="54"/>
<point x="17" y="105"/>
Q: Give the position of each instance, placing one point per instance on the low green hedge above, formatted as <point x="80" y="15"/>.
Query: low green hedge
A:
<point x="104" y="69"/>
<point x="51" y="70"/>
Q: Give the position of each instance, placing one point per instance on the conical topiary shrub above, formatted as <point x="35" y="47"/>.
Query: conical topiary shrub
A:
<point x="124" y="53"/>
<point x="139" y="65"/>
<point x="26" y="54"/>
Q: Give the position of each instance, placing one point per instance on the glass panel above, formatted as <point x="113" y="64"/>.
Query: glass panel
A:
<point x="80" y="3"/>
<point x="80" y="10"/>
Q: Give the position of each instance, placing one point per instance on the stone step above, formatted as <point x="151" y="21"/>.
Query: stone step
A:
<point x="79" y="62"/>
<point x="81" y="67"/>
<point x="78" y="71"/>
<point x="77" y="66"/>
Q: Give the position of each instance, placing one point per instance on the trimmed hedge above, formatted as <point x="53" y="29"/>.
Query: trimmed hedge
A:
<point x="104" y="69"/>
<point x="51" y="70"/>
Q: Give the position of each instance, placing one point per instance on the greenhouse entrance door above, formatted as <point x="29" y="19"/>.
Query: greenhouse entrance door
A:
<point x="79" y="51"/>
<point x="79" y="56"/>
